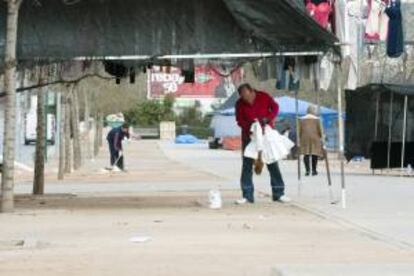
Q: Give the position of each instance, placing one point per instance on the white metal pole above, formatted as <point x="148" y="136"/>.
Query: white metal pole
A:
<point x="404" y="133"/>
<point x="376" y="121"/>
<point x="377" y="117"/>
<point x="298" y="139"/>
<point x="390" y="130"/>
<point x="341" y="136"/>
<point x="202" y="56"/>
<point x="316" y="73"/>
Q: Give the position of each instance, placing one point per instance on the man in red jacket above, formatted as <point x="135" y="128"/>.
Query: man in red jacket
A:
<point x="258" y="106"/>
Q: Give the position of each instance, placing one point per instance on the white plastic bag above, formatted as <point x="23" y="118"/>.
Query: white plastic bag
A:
<point x="214" y="198"/>
<point x="272" y="144"/>
<point x="256" y="141"/>
<point x="277" y="146"/>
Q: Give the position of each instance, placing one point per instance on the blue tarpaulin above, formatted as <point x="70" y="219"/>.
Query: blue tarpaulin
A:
<point x="287" y="106"/>
<point x="186" y="139"/>
<point x="287" y="115"/>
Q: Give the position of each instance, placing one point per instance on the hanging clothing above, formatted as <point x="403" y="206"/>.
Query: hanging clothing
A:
<point x="395" y="39"/>
<point x="377" y="23"/>
<point x="320" y="11"/>
<point x="383" y="29"/>
<point x="353" y="25"/>
<point x="289" y="77"/>
<point x="327" y="68"/>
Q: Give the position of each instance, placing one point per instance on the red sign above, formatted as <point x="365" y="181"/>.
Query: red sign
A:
<point x="208" y="83"/>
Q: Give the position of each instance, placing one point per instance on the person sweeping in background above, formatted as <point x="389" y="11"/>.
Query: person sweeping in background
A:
<point x="310" y="132"/>
<point x="255" y="106"/>
<point x="114" y="138"/>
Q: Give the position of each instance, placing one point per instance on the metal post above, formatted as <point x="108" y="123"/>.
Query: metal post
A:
<point x="377" y="117"/>
<point x="376" y="121"/>
<point x="316" y="74"/>
<point x="46" y="103"/>
<point x="390" y="130"/>
<point x="341" y="135"/>
<point x="298" y="138"/>
<point x="404" y="134"/>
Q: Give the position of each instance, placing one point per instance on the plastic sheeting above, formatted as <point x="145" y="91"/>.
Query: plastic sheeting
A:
<point x="361" y="109"/>
<point x="224" y="121"/>
<point x="53" y="29"/>
<point x="225" y="126"/>
<point x="287" y="106"/>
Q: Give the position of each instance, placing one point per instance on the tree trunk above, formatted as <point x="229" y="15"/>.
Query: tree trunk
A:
<point x="100" y="128"/>
<point x="62" y="146"/>
<point x="96" y="136"/>
<point x="68" y="150"/>
<point x="77" y="157"/>
<point x="39" y="173"/>
<point x="87" y="125"/>
<point x="7" y="176"/>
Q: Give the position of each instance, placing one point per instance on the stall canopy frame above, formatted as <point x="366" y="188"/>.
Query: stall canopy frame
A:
<point x="393" y="90"/>
<point x="168" y="29"/>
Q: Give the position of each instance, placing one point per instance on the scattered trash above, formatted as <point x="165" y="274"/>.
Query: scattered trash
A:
<point x="358" y="158"/>
<point x="112" y="169"/>
<point x="105" y="171"/>
<point x="214" y="198"/>
<point x="262" y="217"/>
<point x="247" y="226"/>
<point x="29" y="243"/>
<point x="158" y="221"/>
<point x="409" y="169"/>
<point x="140" y="239"/>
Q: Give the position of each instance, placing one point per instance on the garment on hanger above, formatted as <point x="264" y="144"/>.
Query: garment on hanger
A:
<point x="325" y="74"/>
<point x="377" y="23"/>
<point x="280" y="80"/>
<point x="320" y="11"/>
<point x="395" y="39"/>
<point x="289" y="77"/>
<point x="260" y="70"/>
<point x="384" y="19"/>
<point x="352" y="16"/>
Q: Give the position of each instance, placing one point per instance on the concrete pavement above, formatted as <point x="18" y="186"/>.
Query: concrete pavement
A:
<point x="164" y="194"/>
<point x="381" y="206"/>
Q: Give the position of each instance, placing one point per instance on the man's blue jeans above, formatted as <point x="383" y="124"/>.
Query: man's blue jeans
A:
<point x="276" y="180"/>
<point x="115" y="156"/>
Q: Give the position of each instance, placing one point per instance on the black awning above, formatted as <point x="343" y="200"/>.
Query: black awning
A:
<point x="52" y="29"/>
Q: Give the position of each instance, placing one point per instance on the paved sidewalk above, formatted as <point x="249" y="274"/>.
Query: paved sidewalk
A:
<point x="83" y="224"/>
<point x="381" y="206"/>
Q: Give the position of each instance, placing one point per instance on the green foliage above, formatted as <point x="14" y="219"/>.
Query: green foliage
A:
<point x="192" y="121"/>
<point x="151" y="113"/>
<point x="190" y="116"/>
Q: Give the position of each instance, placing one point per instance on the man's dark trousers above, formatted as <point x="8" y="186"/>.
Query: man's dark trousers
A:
<point x="114" y="156"/>
<point x="276" y="180"/>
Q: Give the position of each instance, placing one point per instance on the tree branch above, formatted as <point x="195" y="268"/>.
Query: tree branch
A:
<point x="61" y="81"/>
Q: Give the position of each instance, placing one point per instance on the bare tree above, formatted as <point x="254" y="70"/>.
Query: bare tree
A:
<point x="86" y="115"/>
<point x="77" y="155"/>
<point x="96" y="136"/>
<point x="7" y="193"/>
<point x="62" y="146"/>
<point x="68" y="150"/>
<point x="39" y="173"/>
<point x="100" y="129"/>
